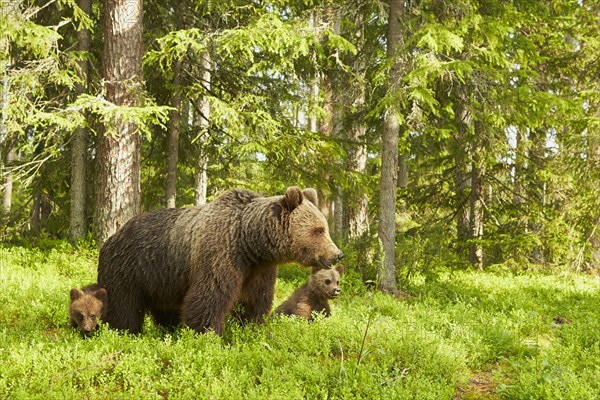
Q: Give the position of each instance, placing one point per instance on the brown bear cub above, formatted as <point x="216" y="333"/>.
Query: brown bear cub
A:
<point x="87" y="306"/>
<point x="314" y="296"/>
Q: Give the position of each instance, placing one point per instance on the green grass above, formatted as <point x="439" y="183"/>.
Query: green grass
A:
<point x="467" y="336"/>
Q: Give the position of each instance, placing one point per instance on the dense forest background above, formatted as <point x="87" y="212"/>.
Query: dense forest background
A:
<point x="438" y="134"/>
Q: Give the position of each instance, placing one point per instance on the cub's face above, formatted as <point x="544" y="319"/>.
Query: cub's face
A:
<point x="327" y="282"/>
<point x="85" y="309"/>
<point x="311" y="244"/>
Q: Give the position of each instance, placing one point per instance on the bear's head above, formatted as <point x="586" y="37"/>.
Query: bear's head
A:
<point x="326" y="282"/>
<point x="306" y="228"/>
<point x="86" y="308"/>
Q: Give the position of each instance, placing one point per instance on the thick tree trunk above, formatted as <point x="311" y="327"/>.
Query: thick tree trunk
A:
<point x="173" y="139"/>
<point x="462" y="179"/>
<point x="201" y="181"/>
<point x="79" y="160"/>
<point x="476" y="215"/>
<point x="118" y="147"/>
<point x="389" y="154"/>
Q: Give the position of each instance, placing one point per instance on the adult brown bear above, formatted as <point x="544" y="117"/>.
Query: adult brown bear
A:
<point x="194" y="264"/>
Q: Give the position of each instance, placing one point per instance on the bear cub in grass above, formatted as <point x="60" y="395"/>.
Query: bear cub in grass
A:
<point x="314" y="295"/>
<point x="87" y="306"/>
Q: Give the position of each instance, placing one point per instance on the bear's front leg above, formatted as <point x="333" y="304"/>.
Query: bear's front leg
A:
<point x="257" y="296"/>
<point x="208" y="301"/>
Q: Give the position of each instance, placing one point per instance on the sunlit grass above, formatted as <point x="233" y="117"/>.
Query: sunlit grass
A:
<point x="438" y="342"/>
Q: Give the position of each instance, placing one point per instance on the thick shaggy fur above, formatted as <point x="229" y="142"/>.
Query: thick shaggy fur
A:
<point x="192" y="265"/>
<point x="314" y="296"/>
<point x="86" y="308"/>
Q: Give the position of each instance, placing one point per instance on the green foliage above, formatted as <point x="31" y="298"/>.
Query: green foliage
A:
<point x="144" y="117"/>
<point x="514" y="68"/>
<point x="425" y="346"/>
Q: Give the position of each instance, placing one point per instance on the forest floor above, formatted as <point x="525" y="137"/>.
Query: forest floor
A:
<point x="467" y="335"/>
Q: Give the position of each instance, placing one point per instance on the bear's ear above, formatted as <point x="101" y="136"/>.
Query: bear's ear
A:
<point x="340" y="269"/>
<point x="75" y="294"/>
<point x="101" y="294"/>
<point x="311" y="195"/>
<point x="292" y="199"/>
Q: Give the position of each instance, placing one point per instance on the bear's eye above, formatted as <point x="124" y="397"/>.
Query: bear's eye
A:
<point x="319" y="231"/>
<point x="93" y="317"/>
<point x="328" y="281"/>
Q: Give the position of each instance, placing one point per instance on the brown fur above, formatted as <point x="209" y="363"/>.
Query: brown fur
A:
<point x="87" y="307"/>
<point x="314" y="296"/>
<point x="194" y="264"/>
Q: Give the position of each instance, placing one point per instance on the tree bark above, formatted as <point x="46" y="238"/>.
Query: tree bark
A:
<point x="5" y="145"/>
<point x="402" y="172"/>
<point x="462" y="178"/>
<point x="594" y="165"/>
<point x="173" y="138"/>
<point x="326" y="129"/>
<point x="79" y="160"/>
<point x="11" y="157"/>
<point x="356" y="202"/>
<point x="476" y="201"/>
<point x="118" y="148"/>
<point x="389" y="154"/>
<point x="535" y="187"/>
<point x="201" y="181"/>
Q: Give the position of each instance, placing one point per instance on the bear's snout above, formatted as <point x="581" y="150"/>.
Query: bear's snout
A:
<point x="336" y="292"/>
<point x="339" y="256"/>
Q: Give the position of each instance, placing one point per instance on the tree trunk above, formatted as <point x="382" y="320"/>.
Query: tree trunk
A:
<point x="326" y="129"/>
<point x="477" y="216"/>
<point x="11" y="157"/>
<point x="201" y="182"/>
<point x="118" y="147"/>
<point x="173" y="138"/>
<point x="535" y="188"/>
<point x="5" y="145"/>
<point x="402" y="172"/>
<point x="78" y="191"/>
<point x="476" y="201"/>
<point x="594" y="165"/>
<point x="356" y="201"/>
<point x="462" y="178"/>
<point x="389" y="154"/>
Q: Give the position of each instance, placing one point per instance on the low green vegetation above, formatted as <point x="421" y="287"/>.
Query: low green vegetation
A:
<point x="466" y="335"/>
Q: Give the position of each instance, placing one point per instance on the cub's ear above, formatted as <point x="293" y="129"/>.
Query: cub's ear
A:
<point x="101" y="294"/>
<point x="75" y="294"/>
<point x="340" y="269"/>
<point x="311" y="195"/>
